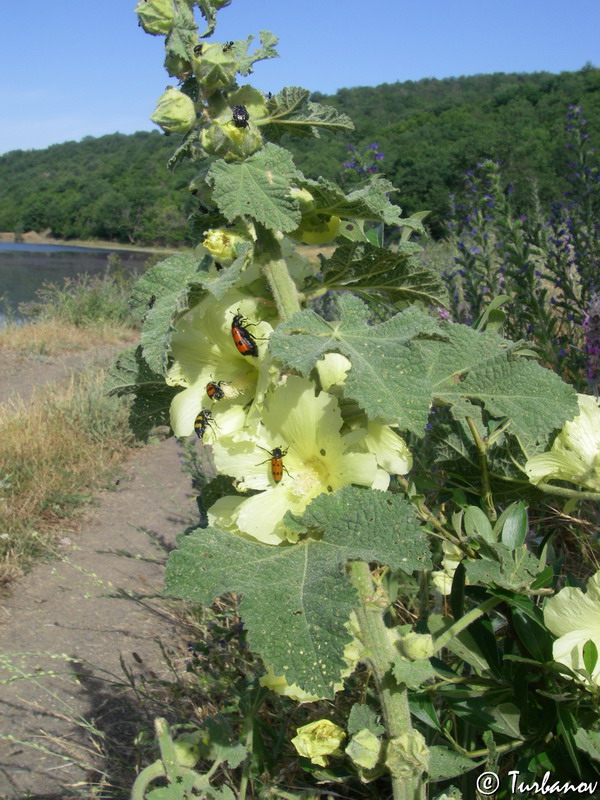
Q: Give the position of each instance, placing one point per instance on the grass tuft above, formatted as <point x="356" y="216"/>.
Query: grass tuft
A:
<point x="53" y="337"/>
<point x="55" y="450"/>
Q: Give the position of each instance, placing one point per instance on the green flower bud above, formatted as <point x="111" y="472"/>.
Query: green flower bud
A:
<point x="416" y="646"/>
<point x="317" y="229"/>
<point x="175" y="112"/>
<point x="156" y="16"/>
<point x="407" y="755"/>
<point x="364" y="749"/>
<point x="187" y="749"/>
<point x="227" y="140"/>
<point x="215" y="68"/>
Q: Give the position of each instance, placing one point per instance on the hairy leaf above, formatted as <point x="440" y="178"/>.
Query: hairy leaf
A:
<point x="402" y="366"/>
<point x="388" y="376"/>
<point x="268" y="41"/>
<point x="258" y="187"/>
<point x="481" y="368"/>
<point x="295" y="599"/>
<point x="163" y="290"/>
<point x="131" y="374"/>
<point x="209" y="10"/>
<point x="362" y="267"/>
<point x="183" y="36"/>
<point x="362" y="716"/>
<point x="445" y="763"/>
<point x="510" y="569"/>
<point x="369" y="202"/>
<point x="412" y="673"/>
<point x="290" y="111"/>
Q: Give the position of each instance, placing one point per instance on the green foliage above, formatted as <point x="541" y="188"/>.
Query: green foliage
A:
<point x="84" y="300"/>
<point x="150" y="407"/>
<point x="283" y="589"/>
<point x="258" y="187"/>
<point x="333" y="546"/>
<point x="115" y="187"/>
<point x="431" y="132"/>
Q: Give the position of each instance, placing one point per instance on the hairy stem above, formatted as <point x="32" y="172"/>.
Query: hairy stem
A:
<point x="485" y="472"/>
<point x="393" y="696"/>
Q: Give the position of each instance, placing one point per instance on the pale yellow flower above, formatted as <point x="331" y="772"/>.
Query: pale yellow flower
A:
<point x="574" y="616"/>
<point x="306" y="427"/>
<point x="318" y="740"/>
<point x="575" y="453"/>
<point x="203" y="350"/>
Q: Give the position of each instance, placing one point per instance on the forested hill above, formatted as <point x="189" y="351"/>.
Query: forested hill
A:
<point x="431" y="132"/>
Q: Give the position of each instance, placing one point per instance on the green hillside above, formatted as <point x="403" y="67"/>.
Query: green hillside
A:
<point x="431" y="132"/>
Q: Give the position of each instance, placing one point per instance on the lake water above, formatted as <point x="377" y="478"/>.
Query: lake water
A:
<point x="25" y="267"/>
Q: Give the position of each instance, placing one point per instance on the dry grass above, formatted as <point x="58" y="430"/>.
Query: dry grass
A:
<point x="53" y="337"/>
<point x="54" y="451"/>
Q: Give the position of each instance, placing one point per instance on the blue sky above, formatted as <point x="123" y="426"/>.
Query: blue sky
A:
<point x="73" y="68"/>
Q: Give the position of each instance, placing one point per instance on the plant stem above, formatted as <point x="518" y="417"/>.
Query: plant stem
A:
<point x="485" y="473"/>
<point x="464" y="622"/>
<point x="282" y="286"/>
<point x="393" y="696"/>
<point x="559" y="491"/>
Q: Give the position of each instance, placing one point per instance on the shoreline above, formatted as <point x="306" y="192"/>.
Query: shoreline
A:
<point x="33" y="237"/>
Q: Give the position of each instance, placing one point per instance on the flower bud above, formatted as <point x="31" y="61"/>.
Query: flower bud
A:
<point x="187" y="749"/>
<point x="364" y="749"/>
<point x="407" y="755"/>
<point x="156" y="16"/>
<point x="215" y="67"/>
<point x="175" y="112"/>
<point x="224" y="138"/>
<point x="416" y="645"/>
<point x="318" y="740"/>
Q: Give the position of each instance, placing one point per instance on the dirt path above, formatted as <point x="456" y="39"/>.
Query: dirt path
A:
<point x="70" y="608"/>
<point x="20" y="375"/>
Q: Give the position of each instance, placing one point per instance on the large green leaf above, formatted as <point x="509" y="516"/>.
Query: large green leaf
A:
<point x="163" y="290"/>
<point x="131" y="374"/>
<point x="388" y="376"/>
<point x="409" y="362"/>
<point x="485" y="369"/>
<point x="295" y="599"/>
<point x="370" y="202"/>
<point x="290" y="111"/>
<point x="398" y="276"/>
<point x="258" y="187"/>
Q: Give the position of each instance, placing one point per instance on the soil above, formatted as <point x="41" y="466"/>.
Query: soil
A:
<point x="70" y="627"/>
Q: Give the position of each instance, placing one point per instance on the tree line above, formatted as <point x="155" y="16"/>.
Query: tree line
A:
<point x="431" y="132"/>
